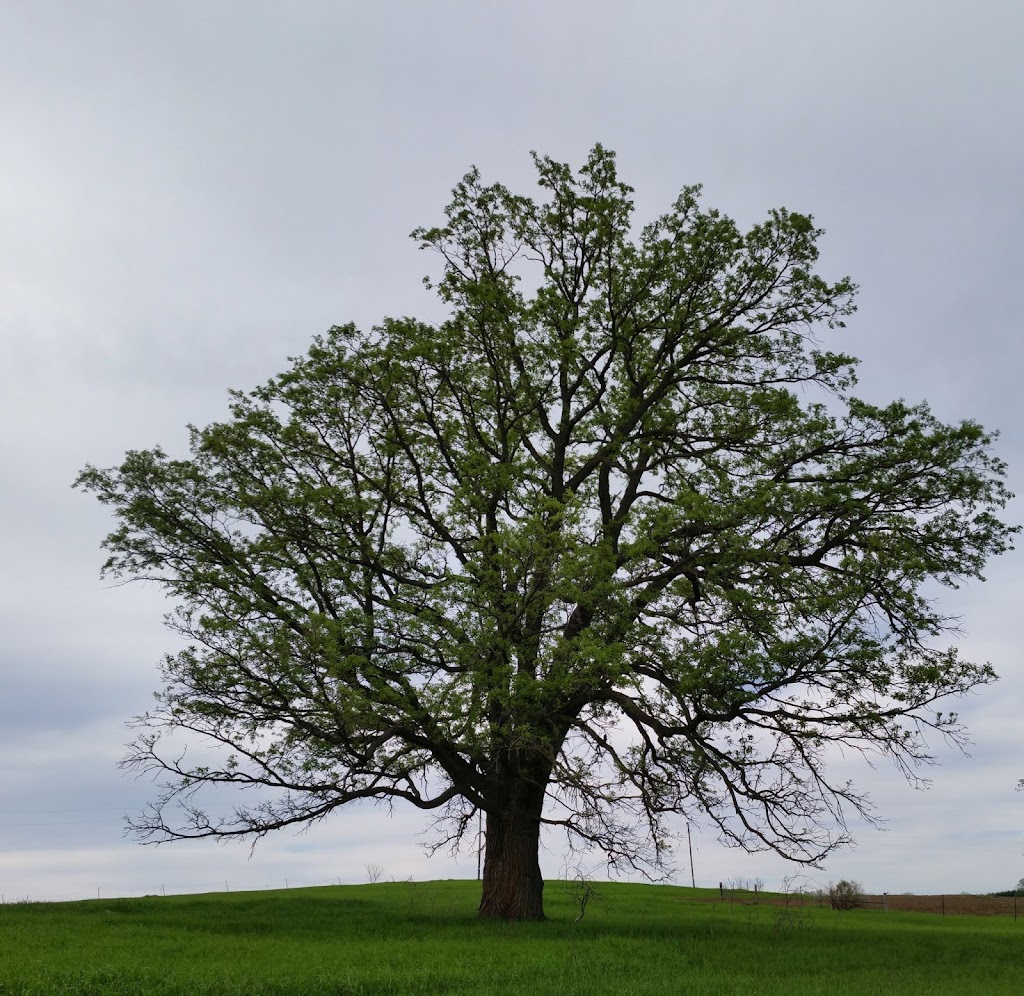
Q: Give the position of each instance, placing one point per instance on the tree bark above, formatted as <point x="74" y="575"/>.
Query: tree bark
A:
<point x="513" y="888"/>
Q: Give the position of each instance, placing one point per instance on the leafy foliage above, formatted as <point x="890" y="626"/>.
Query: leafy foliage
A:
<point x="845" y="895"/>
<point x="613" y="542"/>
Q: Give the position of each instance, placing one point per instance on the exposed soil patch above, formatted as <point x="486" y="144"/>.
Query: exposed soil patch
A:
<point x="950" y="905"/>
<point x="956" y="905"/>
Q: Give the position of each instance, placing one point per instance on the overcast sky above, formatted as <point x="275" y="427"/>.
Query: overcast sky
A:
<point x="189" y="191"/>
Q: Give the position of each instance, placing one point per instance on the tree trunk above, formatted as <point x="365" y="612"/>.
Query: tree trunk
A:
<point x="513" y="888"/>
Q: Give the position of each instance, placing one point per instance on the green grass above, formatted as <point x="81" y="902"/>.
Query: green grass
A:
<point x="423" y="938"/>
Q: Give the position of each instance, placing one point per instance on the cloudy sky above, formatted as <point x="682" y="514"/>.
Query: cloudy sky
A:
<point x="190" y="191"/>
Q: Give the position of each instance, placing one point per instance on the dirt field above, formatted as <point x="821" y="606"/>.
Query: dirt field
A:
<point x="941" y="905"/>
<point x="950" y="905"/>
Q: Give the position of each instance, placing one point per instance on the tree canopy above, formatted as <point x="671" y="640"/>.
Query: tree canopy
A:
<point x="614" y="543"/>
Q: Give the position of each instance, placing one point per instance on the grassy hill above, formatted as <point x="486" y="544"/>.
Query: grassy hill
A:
<point x="423" y="938"/>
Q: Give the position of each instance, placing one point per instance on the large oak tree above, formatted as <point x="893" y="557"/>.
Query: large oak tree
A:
<point x="613" y="542"/>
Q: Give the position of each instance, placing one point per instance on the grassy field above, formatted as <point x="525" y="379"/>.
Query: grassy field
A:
<point x="423" y="938"/>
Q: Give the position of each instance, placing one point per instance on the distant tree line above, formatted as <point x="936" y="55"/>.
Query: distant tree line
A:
<point x="1018" y="890"/>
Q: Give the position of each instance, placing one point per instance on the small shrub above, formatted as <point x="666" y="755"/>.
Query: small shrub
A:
<point x="582" y="890"/>
<point x="845" y="895"/>
<point x="790" y="914"/>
